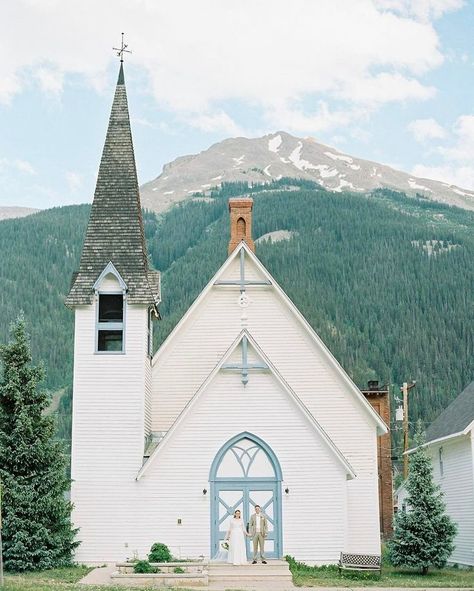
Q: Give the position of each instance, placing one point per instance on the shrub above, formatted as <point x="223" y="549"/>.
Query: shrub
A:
<point x="179" y="570"/>
<point x="143" y="566"/>
<point x="159" y="553"/>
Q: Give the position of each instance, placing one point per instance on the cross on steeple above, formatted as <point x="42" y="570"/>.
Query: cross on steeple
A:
<point x="123" y="49"/>
<point x="245" y="366"/>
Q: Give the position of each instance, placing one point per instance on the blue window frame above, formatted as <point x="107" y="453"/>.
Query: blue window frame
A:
<point x="243" y="486"/>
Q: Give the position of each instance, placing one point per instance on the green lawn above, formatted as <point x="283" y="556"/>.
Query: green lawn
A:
<point x="67" y="579"/>
<point x="305" y="576"/>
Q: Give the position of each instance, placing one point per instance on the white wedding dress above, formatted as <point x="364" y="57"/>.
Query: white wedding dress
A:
<point x="237" y="550"/>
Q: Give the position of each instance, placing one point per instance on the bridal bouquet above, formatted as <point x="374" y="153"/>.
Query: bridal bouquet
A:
<point x="225" y="545"/>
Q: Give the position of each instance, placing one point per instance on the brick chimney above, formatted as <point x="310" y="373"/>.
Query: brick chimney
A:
<point x="241" y="222"/>
<point x="379" y="398"/>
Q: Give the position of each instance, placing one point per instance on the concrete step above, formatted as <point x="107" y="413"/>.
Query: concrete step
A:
<point x="275" y="575"/>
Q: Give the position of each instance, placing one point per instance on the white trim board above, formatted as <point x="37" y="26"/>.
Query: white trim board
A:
<point x="304" y="410"/>
<point x="381" y="426"/>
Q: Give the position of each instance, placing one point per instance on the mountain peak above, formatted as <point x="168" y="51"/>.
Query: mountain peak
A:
<point x="280" y="154"/>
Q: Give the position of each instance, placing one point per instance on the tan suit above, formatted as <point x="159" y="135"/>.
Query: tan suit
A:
<point x="258" y="537"/>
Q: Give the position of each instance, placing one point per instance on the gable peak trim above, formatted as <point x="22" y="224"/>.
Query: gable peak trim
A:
<point x="110" y="269"/>
<point x="350" y="473"/>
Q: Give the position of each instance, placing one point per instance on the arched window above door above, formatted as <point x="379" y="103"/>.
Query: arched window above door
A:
<point x="245" y="456"/>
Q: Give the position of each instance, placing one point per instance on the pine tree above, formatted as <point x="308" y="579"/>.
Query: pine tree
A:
<point x="37" y="528"/>
<point x="423" y="534"/>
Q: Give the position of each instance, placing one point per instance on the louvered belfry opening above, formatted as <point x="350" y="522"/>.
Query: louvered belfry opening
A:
<point x="240" y="209"/>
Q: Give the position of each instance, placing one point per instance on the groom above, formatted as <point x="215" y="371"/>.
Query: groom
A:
<point x="258" y="529"/>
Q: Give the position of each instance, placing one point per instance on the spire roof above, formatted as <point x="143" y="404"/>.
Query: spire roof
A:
<point x="115" y="230"/>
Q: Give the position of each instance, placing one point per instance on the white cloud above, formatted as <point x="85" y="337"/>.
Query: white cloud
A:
<point x="421" y="9"/>
<point x="462" y="176"/>
<point x="321" y="119"/>
<point x="141" y="121"/>
<point x="271" y="54"/>
<point x="74" y="180"/>
<point x="218" y="122"/>
<point x="462" y="150"/>
<point x="17" y="164"/>
<point x="51" y="80"/>
<point x="457" y="155"/>
<point x="426" y="129"/>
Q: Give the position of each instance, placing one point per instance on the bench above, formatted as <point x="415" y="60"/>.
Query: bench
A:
<point x="365" y="562"/>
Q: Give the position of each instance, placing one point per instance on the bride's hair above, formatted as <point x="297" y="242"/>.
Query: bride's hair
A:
<point x="236" y="511"/>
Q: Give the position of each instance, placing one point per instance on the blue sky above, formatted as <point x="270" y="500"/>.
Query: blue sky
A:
<point x="387" y="80"/>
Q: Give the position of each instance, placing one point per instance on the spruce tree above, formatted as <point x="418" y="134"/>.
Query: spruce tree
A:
<point x="37" y="530"/>
<point x="423" y="534"/>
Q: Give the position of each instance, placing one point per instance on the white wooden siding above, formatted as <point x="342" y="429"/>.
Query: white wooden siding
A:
<point x="108" y="428"/>
<point x="314" y="512"/>
<point x="194" y="350"/>
<point x="457" y="485"/>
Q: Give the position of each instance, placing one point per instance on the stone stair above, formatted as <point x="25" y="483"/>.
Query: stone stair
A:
<point x="274" y="576"/>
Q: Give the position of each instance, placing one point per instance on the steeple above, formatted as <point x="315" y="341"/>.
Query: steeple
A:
<point x="115" y="230"/>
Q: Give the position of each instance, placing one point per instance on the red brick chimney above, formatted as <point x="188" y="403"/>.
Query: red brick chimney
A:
<point x="379" y="398"/>
<point x="241" y="222"/>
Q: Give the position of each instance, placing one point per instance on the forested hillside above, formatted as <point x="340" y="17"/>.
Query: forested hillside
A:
<point x="386" y="280"/>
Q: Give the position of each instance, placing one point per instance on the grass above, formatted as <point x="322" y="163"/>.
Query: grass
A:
<point x="328" y="576"/>
<point x="60" y="579"/>
<point x="66" y="579"/>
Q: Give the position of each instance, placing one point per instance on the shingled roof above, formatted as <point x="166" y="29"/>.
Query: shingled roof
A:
<point x="115" y="230"/>
<point x="455" y="418"/>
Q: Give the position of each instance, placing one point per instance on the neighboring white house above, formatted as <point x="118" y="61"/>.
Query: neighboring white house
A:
<point x="243" y="404"/>
<point x="449" y="443"/>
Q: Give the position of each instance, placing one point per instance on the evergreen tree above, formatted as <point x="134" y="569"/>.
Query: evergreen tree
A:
<point x="423" y="534"/>
<point x="36" y="514"/>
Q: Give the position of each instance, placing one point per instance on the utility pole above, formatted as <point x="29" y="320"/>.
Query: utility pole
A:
<point x="405" y="389"/>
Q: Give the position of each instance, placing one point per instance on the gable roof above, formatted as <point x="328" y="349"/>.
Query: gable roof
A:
<point x="455" y="418"/>
<point x="115" y="230"/>
<point x="381" y="426"/>
<point x="313" y="422"/>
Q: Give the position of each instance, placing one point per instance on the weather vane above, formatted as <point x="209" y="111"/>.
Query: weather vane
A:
<point x="123" y="49"/>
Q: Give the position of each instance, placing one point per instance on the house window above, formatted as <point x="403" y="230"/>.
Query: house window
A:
<point x="441" y="466"/>
<point x="110" y="323"/>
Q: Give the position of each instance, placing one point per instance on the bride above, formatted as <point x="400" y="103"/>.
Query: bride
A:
<point x="236" y="538"/>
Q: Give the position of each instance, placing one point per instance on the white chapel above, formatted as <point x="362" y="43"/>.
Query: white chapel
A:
<point x="243" y="403"/>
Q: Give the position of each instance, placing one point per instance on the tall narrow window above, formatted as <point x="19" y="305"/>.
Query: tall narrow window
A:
<point x="110" y="323"/>
<point x="441" y="465"/>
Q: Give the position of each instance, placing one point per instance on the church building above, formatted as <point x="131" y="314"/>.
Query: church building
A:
<point x="243" y="404"/>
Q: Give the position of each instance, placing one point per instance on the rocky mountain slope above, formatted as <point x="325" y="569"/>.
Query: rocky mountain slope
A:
<point x="9" y="212"/>
<point x="271" y="157"/>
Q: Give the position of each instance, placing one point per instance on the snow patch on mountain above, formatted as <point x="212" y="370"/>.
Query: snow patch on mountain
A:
<point x="343" y="184"/>
<point x="276" y="236"/>
<point x="279" y="155"/>
<point x="414" y="185"/>
<point x="339" y="157"/>
<point x="238" y="161"/>
<point x="274" y="143"/>
<point x="325" y="171"/>
<point x="299" y="162"/>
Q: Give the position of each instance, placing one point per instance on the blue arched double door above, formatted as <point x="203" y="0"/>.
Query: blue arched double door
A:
<point x="245" y="473"/>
